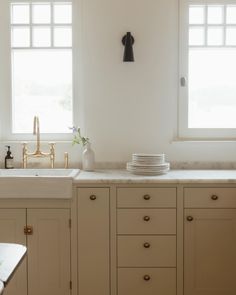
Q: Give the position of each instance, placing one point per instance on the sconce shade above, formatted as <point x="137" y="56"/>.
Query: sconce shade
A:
<point x="128" y="41"/>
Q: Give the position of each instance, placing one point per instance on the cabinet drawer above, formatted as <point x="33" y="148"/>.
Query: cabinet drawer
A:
<point x="210" y="197"/>
<point x="148" y="281"/>
<point x="146" y="221"/>
<point x="146" y="197"/>
<point x="146" y="251"/>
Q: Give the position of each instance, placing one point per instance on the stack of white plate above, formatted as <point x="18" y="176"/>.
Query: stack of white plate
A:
<point x="148" y="164"/>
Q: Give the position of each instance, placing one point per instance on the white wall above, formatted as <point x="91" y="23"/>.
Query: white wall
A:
<point x="129" y="107"/>
<point x="132" y="107"/>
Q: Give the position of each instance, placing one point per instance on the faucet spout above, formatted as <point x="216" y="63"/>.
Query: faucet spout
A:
<point x="38" y="153"/>
<point x="36" y="131"/>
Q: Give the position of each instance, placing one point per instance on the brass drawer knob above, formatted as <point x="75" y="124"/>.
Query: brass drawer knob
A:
<point x="189" y="218"/>
<point x="147" y="197"/>
<point x="146" y="245"/>
<point x="146" y="218"/>
<point x="214" y="197"/>
<point x="146" y="278"/>
<point x="93" y="197"/>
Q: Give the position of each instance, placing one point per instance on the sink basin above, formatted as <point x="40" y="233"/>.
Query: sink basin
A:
<point x="68" y="173"/>
<point x="37" y="183"/>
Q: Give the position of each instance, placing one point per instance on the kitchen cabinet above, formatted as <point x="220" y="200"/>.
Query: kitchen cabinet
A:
<point x="93" y="241"/>
<point x="46" y="233"/>
<point x="133" y="238"/>
<point x="210" y="241"/>
<point x="146" y="241"/>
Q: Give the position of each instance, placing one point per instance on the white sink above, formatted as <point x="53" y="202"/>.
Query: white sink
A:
<point x="68" y="173"/>
<point x="37" y="183"/>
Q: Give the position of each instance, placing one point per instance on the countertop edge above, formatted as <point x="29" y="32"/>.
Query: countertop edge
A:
<point x="172" y="177"/>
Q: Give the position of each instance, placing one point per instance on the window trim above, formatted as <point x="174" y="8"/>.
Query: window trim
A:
<point x="183" y="131"/>
<point x="5" y="76"/>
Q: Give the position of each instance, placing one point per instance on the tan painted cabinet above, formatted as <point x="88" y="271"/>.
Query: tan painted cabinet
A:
<point x="47" y="267"/>
<point x="210" y="242"/>
<point x="93" y="241"/>
<point x="146" y="241"/>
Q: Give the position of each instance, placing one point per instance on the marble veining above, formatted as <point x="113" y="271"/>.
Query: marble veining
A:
<point x="173" y="176"/>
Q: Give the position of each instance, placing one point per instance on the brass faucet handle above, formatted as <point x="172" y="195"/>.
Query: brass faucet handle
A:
<point x="52" y="153"/>
<point x="66" y="159"/>
<point x="24" y="151"/>
<point x="52" y="147"/>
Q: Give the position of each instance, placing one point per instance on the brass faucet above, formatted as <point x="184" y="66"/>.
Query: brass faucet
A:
<point x="38" y="153"/>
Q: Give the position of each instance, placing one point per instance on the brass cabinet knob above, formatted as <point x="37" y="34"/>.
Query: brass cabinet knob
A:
<point x="28" y="230"/>
<point x="189" y="218"/>
<point x="146" y="245"/>
<point x="146" y="218"/>
<point x="214" y="197"/>
<point x="93" y="197"/>
<point x="147" y="197"/>
<point x="146" y="278"/>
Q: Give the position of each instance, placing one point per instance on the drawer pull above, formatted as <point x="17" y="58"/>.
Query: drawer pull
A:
<point x="146" y="245"/>
<point x="147" y="197"/>
<point x="93" y="197"/>
<point x="146" y="278"/>
<point x="146" y="218"/>
<point x="189" y="218"/>
<point x="214" y="197"/>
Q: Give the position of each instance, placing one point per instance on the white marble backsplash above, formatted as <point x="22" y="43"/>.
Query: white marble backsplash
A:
<point x="193" y="165"/>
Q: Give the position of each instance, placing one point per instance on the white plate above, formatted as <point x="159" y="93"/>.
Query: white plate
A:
<point x="148" y="165"/>
<point x="150" y="168"/>
<point x="148" y="173"/>
<point x="153" y="163"/>
<point x="148" y="155"/>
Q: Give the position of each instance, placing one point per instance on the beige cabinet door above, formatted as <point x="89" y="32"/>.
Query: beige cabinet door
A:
<point x="93" y="241"/>
<point x="49" y="252"/>
<point x="210" y="252"/>
<point x="12" y="222"/>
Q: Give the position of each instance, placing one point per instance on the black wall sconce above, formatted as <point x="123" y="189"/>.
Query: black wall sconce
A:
<point x="128" y="41"/>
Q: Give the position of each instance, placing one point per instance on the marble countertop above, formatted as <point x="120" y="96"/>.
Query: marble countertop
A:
<point x="173" y="176"/>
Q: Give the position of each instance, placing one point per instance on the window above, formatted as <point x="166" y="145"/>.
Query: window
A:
<point x="207" y="74"/>
<point x="40" y="61"/>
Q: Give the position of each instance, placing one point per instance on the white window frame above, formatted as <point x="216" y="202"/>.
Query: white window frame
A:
<point x="183" y="131"/>
<point x="5" y="75"/>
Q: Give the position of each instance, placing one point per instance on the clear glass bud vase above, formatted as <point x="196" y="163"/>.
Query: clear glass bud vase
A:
<point x="88" y="158"/>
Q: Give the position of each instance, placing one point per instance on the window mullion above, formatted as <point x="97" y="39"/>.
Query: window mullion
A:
<point x="30" y="25"/>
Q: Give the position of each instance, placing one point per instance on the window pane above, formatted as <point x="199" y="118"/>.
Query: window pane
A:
<point x="230" y="36"/>
<point x="41" y="37"/>
<point x="196" y="15"/>
<point x="20" y="14"/>
<point x="196" y="36"/>
<point x="41" y="13"/>
<point x="42" y="85"/>
<point x="212" y="88"/>
<point x="62" y="13"/>
<point x="20" y="37"/>
<point x="215" y="36"/>
<point x="62" y="37"/>
<point x="231" y="15"/>
<point x="215" y="15"/>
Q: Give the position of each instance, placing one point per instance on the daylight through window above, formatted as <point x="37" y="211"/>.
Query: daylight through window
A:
<point x="211" y="66"/>
<point x="41" y="44"/>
